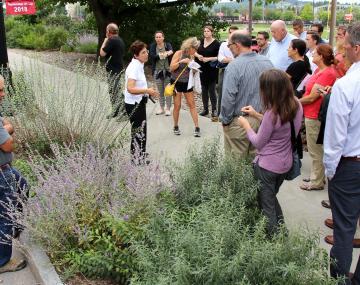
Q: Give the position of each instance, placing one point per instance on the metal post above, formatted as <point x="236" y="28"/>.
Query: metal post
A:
<point x="3" y="50"/>
<point x="4" y="60"/>
<point x="332" y="22"/>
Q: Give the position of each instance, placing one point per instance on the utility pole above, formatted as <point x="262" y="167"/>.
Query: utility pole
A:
<point x="332" y="22"/>
<point x="4" y="60"/>
<point x="3" y="50"/>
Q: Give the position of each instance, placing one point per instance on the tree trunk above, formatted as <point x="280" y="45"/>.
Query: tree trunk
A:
<point x="250" y="16"/>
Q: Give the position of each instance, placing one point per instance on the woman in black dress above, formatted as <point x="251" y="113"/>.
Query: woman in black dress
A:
<point x="207" y="53"/>
<point x="301" y="65"/>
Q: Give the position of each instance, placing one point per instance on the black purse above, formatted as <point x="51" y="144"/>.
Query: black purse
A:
<point x="296" y="165"/>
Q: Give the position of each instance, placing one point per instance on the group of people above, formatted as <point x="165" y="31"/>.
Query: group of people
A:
<point x="263" y="98"/>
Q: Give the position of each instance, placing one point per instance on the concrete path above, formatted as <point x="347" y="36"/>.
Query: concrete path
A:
<point x="302" y="209"/>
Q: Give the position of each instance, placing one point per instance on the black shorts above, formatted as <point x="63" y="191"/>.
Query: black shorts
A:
<point x="181" y="86"/>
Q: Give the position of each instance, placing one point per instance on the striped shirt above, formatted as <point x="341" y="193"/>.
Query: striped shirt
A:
<point x="241" y="85"/>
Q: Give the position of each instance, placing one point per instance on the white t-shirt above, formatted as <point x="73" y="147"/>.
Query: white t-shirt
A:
<point x="135" y="71"/>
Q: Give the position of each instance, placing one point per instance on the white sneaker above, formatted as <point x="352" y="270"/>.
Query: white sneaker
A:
<point x="160" y="111"/>
<point x="167" y="112"/>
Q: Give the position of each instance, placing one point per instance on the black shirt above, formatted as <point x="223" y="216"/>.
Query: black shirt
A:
<point x="297" y="70"/>
<point x="208" y="73"/>
<point x="114" y="50"/>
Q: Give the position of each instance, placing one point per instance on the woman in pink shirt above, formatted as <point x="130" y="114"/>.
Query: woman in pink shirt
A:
<point x="273" y="140"/>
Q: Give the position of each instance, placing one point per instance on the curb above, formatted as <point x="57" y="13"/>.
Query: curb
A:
<point x="39" y="262"/>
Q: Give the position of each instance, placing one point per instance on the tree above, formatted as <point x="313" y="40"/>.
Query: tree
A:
<point x="288" y="15"/>
<point x="140" y="16"/>
<point x="306" y="13"/>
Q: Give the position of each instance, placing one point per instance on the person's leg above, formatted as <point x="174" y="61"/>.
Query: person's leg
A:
<point x="235" y="138"/>
<point x="356" y="278"/>
<point x="7" y="198"/>
<point x="113" y="87"/>
<point x="177" y="106"/>
<point x="192" y="107"/>
<point x="160" y="86"/>
<point x="205" y="98"/>
<point x="212" y="95"/>
<point x="316" y="152"/>
<point x="137" y="117"/>
<point x="221" y="79"/>
<point x="267" y="197"/>
<point x="168" y="99"/>
<point x="344" y="194"/>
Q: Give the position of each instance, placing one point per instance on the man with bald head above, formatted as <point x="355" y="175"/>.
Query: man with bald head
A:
<point x="280" y="42"/>
<point x="8" y="195"/>
<point x="113" y="49"/>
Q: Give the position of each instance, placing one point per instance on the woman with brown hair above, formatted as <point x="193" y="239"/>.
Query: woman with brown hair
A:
<point x="136" y="91"/>
<point x="207" y="53"/>
<point x="180" y="70"/>
<point x="274" y="158"/>
<point x="324" y="75"/>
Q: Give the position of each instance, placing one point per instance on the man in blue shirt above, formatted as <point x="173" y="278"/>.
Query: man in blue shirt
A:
<point x="342" y="159"/>
<point x="278" y="47"/>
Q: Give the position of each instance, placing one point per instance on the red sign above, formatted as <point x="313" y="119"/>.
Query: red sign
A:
<point x="20" y="7"/>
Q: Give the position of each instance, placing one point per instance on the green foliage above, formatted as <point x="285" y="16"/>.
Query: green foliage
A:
<point x="306" y="13"/>
<point x="272" y="14"/>
<point x="87" y="48"/>
<point x="25" y="169"/>
<point x="38" y="36"/>
<point x="213" y="233"/>
<point x="288" y="15"/>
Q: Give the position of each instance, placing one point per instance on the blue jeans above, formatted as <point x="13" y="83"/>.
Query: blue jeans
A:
<point x="7" y="200"/>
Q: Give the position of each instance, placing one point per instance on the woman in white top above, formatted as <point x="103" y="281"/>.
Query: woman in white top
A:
<point x="136" y="91"/>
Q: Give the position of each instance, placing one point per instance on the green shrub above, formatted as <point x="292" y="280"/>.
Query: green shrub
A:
<point x="15" y="36"/>
<point x="87" y="48"/>
<point x="212" y="233"/>
<point x="54" y="38"/>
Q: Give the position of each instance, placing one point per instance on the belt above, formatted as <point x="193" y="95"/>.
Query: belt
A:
<point x="351" y="158"/>
<point x="5" y="166"/>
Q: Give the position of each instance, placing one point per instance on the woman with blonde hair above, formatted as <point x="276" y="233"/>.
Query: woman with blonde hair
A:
<point x="180" y="73"/>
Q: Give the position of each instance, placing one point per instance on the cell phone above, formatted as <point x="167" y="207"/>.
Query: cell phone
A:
<point x="321" y="90"/>
<point x="244" y="114"/>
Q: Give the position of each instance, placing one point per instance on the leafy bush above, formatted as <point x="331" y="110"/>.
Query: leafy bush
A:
<point x="89" y="203"/>
<point x="22" y="35"/>
<point x="87" y="48"/>
<point x="213" y="233"/>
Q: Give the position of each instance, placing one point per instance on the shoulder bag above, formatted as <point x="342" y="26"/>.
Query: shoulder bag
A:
<point x="296" y="165"/>
<point x="170" y="88"/>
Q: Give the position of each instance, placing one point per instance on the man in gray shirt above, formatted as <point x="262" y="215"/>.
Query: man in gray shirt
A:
<point x="7" y="195"/>
<point x="240" y="89"/>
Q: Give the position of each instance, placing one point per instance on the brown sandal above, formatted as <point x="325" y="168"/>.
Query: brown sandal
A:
<point x="309" y="187"/>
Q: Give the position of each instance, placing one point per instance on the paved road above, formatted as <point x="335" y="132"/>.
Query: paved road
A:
<point x="302" y="209"/>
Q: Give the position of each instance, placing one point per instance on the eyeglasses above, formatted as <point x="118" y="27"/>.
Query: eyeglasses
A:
<point x="230" y="44"/>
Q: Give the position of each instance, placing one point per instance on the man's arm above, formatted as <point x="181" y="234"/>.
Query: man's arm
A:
<point x="6" y="141"/>
<point x="102" y="52"/>
<point x="337" y="120"/>
<point x="230" y="92"/>
<point x="8" y="126"/>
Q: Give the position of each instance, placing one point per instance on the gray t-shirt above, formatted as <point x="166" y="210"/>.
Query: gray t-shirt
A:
<point x="5" y="157"/>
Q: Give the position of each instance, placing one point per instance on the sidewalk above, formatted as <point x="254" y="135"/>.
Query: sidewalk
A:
<point x="302" y="209"/>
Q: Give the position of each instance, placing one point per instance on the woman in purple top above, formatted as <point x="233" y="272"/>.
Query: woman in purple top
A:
<point x="273" y="140"/>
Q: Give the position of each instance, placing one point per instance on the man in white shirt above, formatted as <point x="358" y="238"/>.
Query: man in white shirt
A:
<point x="312" y="41"/>
<point x="298" y="27"/>
<point x="342" y="160"/>
<point x="280" y="42"/>
<point x="224" y="57"/>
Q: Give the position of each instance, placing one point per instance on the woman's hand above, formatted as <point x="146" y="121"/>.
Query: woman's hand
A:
<point x="152" y="92"/>
<point x="170" y="52"/>
<point x="185" y="60"/>
<point x="199" y="56"/>
<point x="249" y="110"/>
<point x="206" y="59"/>
<point x="244" y="123"/>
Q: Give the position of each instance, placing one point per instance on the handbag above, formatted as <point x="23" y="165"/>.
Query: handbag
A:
<point x="170" y="88"/>
<point x="296" y="165"/>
